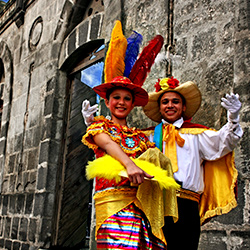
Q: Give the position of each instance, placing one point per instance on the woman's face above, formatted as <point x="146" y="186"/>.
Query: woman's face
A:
<point x="120" y="104"/>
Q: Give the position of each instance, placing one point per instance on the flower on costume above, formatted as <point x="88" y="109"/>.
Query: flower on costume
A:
<point x="130" y="142"/>
<point x="166" y="83"/>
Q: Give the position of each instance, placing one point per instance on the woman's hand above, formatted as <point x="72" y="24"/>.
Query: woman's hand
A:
<point x="135" y="174"/>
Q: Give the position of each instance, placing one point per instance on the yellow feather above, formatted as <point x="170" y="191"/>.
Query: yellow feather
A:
<point x="109" y="168"/>
<point x="114" y="62"/>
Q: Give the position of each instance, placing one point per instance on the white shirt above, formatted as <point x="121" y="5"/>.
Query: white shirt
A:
<point x="209" y="145"/>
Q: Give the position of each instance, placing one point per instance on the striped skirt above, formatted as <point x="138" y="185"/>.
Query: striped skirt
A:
<point x="128" y="229"/>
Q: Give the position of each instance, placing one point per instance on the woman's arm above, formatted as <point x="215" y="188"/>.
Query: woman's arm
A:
<point x="135" y="174"/>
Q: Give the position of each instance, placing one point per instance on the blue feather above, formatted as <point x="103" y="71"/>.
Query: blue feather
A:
<point x="134" y="43"/>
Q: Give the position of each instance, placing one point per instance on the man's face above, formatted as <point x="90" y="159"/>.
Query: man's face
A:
<point x="171" y="107"/>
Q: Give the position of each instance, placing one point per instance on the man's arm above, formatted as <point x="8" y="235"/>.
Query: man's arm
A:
<point x="215" y="144"/>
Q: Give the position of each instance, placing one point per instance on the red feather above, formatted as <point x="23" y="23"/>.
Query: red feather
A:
<point x="146" y="59"/>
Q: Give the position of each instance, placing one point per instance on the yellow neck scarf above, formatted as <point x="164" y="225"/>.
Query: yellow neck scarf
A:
<point x="170" y="136"/>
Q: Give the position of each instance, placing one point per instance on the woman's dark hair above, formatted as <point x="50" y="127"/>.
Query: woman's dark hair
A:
<point x="182" y="97"/>
<point x="109" y="91"/>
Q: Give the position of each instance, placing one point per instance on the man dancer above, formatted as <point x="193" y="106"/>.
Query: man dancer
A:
<point x="201" y="158"/>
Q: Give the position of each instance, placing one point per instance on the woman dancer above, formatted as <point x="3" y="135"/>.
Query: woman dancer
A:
<point x="121" y="224"/>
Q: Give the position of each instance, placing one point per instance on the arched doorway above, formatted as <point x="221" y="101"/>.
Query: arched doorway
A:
<point x="74" y="192"/>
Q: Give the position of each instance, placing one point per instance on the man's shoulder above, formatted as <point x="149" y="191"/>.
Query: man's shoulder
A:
<point x="187" y="124"/>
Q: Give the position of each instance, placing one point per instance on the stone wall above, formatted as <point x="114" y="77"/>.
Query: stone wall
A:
<point x="31" y="124"/>
<point x="211" y="47"/>
<point x="212" y="41"/>
<point x="208" y="42"/>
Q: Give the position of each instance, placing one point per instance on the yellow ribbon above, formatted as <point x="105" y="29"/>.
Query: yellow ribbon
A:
<point x="170" y="136"/>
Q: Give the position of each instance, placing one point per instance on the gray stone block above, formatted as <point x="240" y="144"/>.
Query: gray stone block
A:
<point x="204" y="44"/>
<point x="16" y="245"/>
<point x="32" y="230"/>
<point x="18" y="142"/>
<point x="42" y="178"/>
<point x="52" y="175"/>
<point x="83" y="32"/>
<point x="25" y="247"/>
<point x="72" y="42"/>
<point x="12" y="183"/>
<point x="48" y="106"/>
<point x="11" y="163"/>
<point x="53" y="153"/>
<point x="243" y="238"/>
<point x="37" y="135"/>
<point x="20" y="203"/>
<point x="44" y="152"/>
<point x="28" y="139"/>
<point x="8" y="245"/>
<point x="7" y="223"/>
<point x="39" y="204"/>
<point x="13" y="202"/>
<point x="2" y="145"/>
<point x="55" y="50"/>
<point x="23" y="229"/>
<point x="47" y="130"/>
<point x="1" y="226"/>
<point x="29" y="203"/>
<point x="2" y="243"/>
<point x="51" y="84"/>
<point x="95" y="25"/>
<point x="32" y="159"/>
<point x="211" y="240"/>
<point x="5" y="204"/>
<point x="4" y="128"/>
<point x="14" y="228"/>
<point x="45" y="235"/>
<point x="49" y="205"/>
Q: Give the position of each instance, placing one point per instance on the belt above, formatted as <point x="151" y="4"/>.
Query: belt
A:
<point x="187" y="194"/>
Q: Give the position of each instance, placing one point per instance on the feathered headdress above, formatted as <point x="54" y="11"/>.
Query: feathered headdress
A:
<point x="123" y="67"/>
<point x="114" y="62"/>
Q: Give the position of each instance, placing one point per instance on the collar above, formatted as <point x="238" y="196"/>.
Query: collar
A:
<point x="177" y="123"/>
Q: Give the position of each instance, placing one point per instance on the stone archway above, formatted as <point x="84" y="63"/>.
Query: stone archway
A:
<point x="71" y="214"/>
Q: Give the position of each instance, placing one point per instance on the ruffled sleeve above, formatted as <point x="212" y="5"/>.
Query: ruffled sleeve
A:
<point x="131" y="140"/>
<point x="98" y="126"/>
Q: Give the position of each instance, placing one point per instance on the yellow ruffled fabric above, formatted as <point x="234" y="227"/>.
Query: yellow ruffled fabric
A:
<point x="157" y="203"/>
<point x="109" y="168"/>
<point x="154" y="201"/>
<point x="111" y="201"/>
<point x="193" y="131"/>
<point x="171" y="137"/>
<point x="220" y="178"/>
